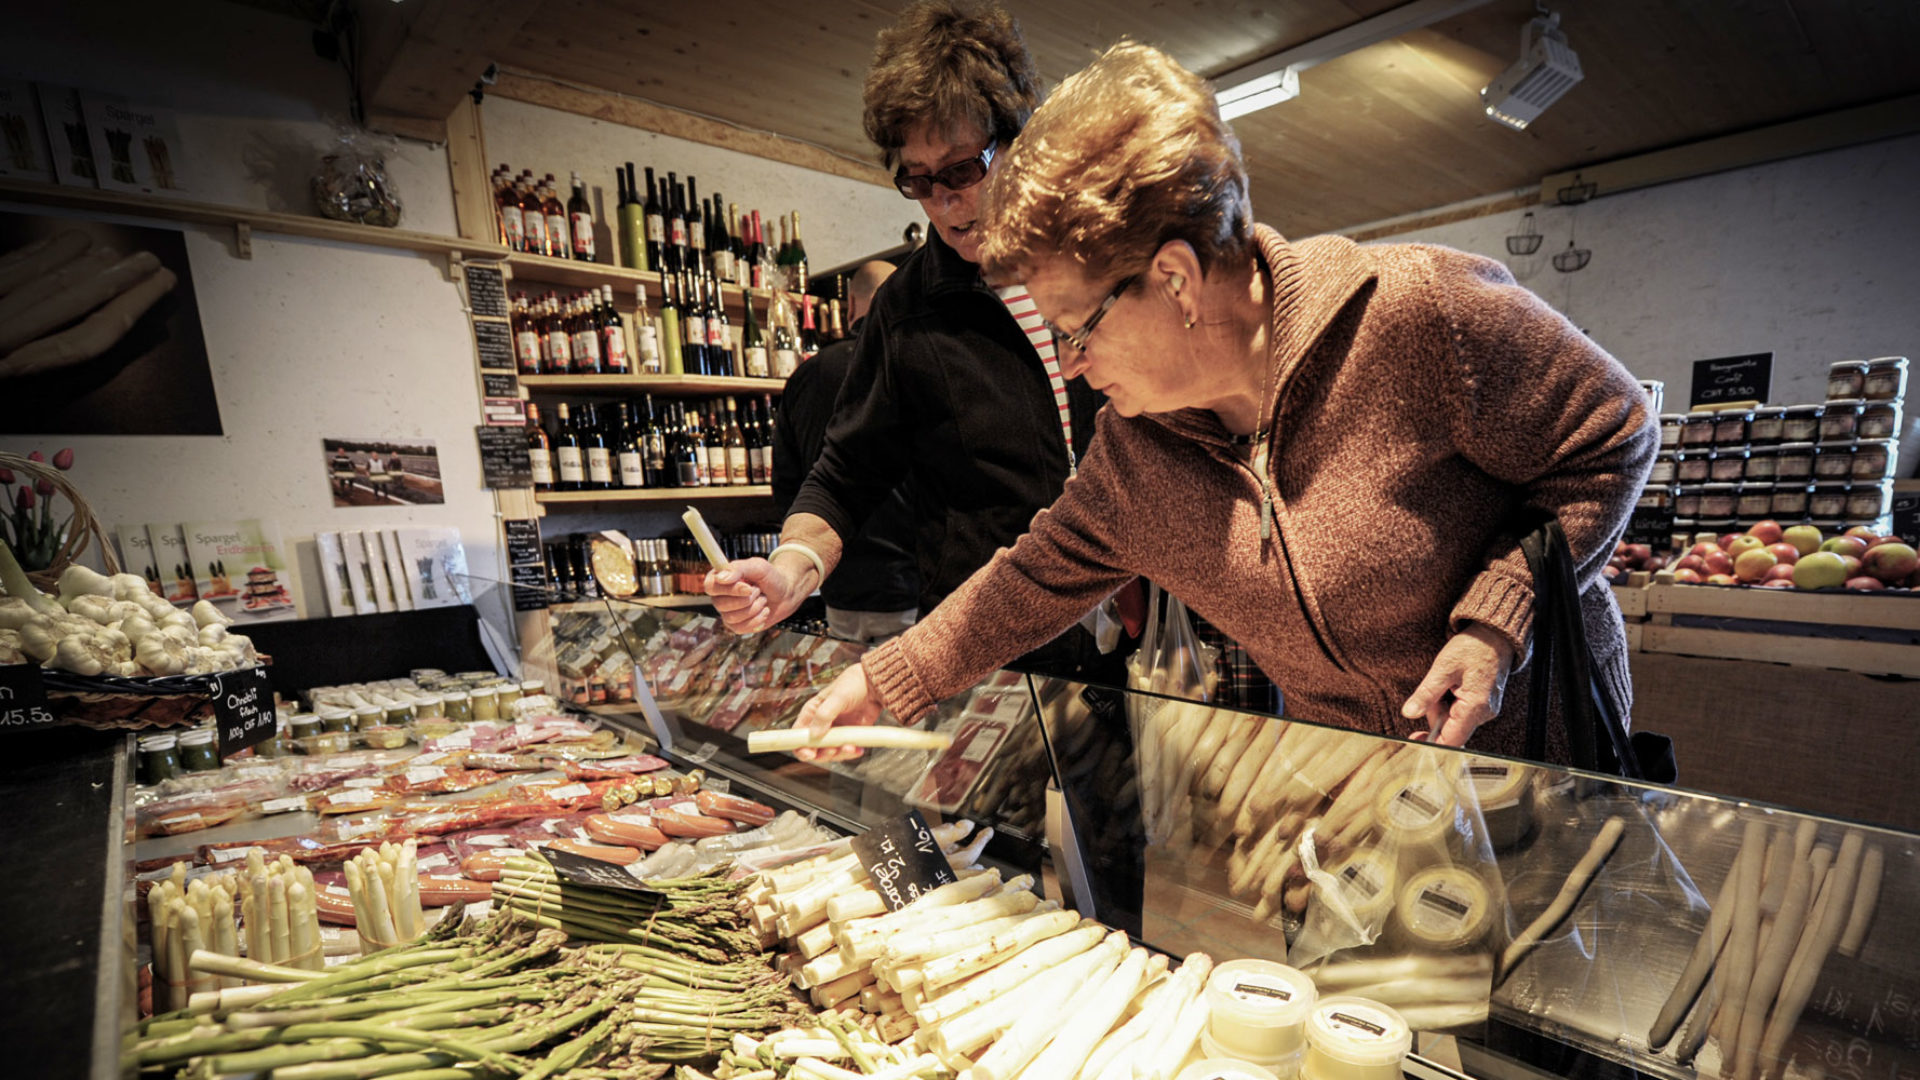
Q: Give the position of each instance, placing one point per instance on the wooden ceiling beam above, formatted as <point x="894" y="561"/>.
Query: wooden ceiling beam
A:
<point x="419" y="58"/>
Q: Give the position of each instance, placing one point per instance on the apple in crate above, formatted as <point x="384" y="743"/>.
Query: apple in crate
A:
<point x="1751" y="565"/>
<point x="1686" y="575"/>
<point x="1723" y="579"/>
<point x="1704" y="548"/>
<point x="1863" y="532"/>
<point x="1769" y="531"/>
<point x="1780" y="571"/>
<point x="1804" y="538"/>
<point x="1846" y="545"/>
<point x="1785" y="552"/>
<point x="1865" y="584"/>
<point x="1743" y="544"/>
<point x="1890" y="563"/>
<point x="1854" y="566"/>
<point x="1820" y="570"/>
<point x="1719" y="562"/>
<point x="1778" y="583"/>
<point x="1691" y="563"/>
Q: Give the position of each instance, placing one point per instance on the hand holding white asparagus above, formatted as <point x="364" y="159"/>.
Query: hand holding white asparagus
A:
<point x="62" y="301"/>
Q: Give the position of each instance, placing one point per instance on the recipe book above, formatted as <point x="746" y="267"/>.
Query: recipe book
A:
<point x="359" y="574"/>
<point x="242" y="566"/>
<point x="176" y="568"/>
<point x="137" y="556"/>
<point x="436" y="566"/>
<point x="333" y="571"/>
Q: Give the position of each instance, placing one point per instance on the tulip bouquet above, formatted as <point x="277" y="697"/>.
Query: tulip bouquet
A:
<point x="31" y="531"/>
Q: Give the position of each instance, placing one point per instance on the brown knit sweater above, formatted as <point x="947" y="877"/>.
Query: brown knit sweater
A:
<point x="1424" y="400"/>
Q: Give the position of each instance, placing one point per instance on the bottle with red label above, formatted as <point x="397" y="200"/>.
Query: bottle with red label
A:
<point x="580" y="221"/>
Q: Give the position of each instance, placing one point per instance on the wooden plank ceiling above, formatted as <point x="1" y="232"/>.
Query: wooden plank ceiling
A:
<point x="1390" y="129"/>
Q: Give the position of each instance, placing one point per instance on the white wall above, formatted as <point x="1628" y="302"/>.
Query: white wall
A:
<point x="840" y="219"/>
<point x="1815" y="259"/>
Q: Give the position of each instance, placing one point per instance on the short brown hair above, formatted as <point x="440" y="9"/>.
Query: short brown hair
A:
<point x="1125" y="156"/>
<point x="951" y="66"/>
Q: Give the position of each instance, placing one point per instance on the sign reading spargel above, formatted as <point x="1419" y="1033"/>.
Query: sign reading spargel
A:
<point x="903" y="859"/>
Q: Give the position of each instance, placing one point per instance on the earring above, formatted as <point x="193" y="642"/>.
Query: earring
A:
<point x="1189" y="324"/>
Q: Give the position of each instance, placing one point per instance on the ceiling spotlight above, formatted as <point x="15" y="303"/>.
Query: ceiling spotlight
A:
<point x="1257" y="93"/>
<point x="1546" y="70"/>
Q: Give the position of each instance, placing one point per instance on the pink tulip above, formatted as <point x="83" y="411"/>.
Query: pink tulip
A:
<point x="44" y="487"/>
<point x="36" y="456"/>
<point x="6" y="476"/>
<point x="64" y="459"/>
<point x="25" y="498"/>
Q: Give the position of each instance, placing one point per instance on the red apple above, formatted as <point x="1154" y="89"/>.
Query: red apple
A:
<point x="1891" y="563"/>
<point x="1862" y="532"/>
<point x="1846" y="545"/>
<point x="1743" y="544"/>
<point x="1752" y="565"/>
<point x="1657" y="562"/>
<point x="1639" y="552"/>
<point x="1804" y="537"/>
<point x="1719" y="563"/>
<point x="1723" y="579"/>
<point x="1878" y="540"/>
<point x="1768" y="531"/>
<point x="1728" y="538"/>
<point x="1780" y="571"/>
<point x="1692" y="563"/>
<point x="1785" y="552"/>
<point x="1688" y="576"/>
<point x="1704" y="548"/>
<point x="1778" y="583"/>
<point x="1854" y="566"/>
<point x="1865" y="584"/>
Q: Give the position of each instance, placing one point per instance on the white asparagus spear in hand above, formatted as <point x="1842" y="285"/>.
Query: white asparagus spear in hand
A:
<point x="867" y="736"/>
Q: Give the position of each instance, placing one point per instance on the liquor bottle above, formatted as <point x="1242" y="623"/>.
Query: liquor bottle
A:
<point x="736" y="448"/>
<point x="693" y="329"/>
<point x="539" y="450"/>
<point x="631" y="446"/>
<point x="783" y="255"/>
<point x="633" y="224"/>
<point x="593" y="441"/>
<point x="653" y="446"/>
<point x="570" y="463"/>
<point x="670" y="328"/>
<point x="753" y="347"/>
<point x="713" y="438"/>
<point x="614" y="354"/>
<point x="559" y="341"/>
<point x="585" y="335"/>
<point x="512" y="225"/>
<point x="719" y="338"/>
<point x="526" y="340"/>
<point x="809" y="333"/>
<point x="756" y="254"/>
<point x="580" y="221"/>
<point x="838" y="331"/>
<point x="656" y="222"/>
<point x="533" y="215"/>
<point x="696" y="253"/>
<point x="623" y="243"/>
<point x="736" y="246"/>
<point x="786" y="343"/>
<point x="689" y="457"/>
<point x="559" y="235"/>
<point x="719" y="245"/>
<point x="676" y="225"/>
<point x="646" y="335"/>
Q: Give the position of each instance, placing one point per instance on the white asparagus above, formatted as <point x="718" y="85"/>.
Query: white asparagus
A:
<point x="1811" y="955"/>
<point x="827" y="967"/>
<point x="942" y="942"/>
<point x="1165" y="1059"/>
<point x="1030" y="1034"/>
<point x="866" y="736"/>
<point x="815" y="940"/>
<point x="1576" y="883"/>
<point x="300" y="935"/>
<point x="882" y="937"/>
<point x="177" y="953"/>
<point x="280" y="940"/>
<point x="1082" y="1029"/>
<point x="826" y="995"/>
<point x="47" y="288"/>
<point x="709" y="547"/>
<point x="1865" y="899"/>
<point x="1712" y="937"/>
<point x="1148" y="1007"/>
<point x="1240" y="780"/>
<point x="71" y="297"/>
<point x="1777" y="872"/>
<point x="94" y="335"/>
<point x="157" y="919"/>
<point x="954" y="967"/>
<point x="1243" y="732"/>
<point x="990" y="1002"/>
<point x="41" y="258"/>
<point x="221" y="932"/>
<point x="1743" y="939"/>
<point x="859" y="902"/>
<point x="1803" y="841"/>
<point x="1194" y="970"/>
<point x="193" y="939"/>
<point x="1771" y="965"/>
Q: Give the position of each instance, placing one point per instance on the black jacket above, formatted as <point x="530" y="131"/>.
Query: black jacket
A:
<point x="945" y="391"/>
<point x="877" y="571"/>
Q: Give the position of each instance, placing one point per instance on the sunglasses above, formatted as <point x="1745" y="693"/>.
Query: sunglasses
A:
<point x="1078" y="338"/>
<point x="959" y="175"/>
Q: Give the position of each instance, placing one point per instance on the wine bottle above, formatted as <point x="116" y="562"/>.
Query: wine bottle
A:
<point x="670" y="328"/>
<point x="719" y="243"/>
<point x="570" y="472"/>
<point x="559" y="233"/>
<point x="646" y="335"/>
<point x="693" y="328"/>
<point x="614" y="354"/>
<point x="539" y="450"/>
<point x="507" y="201"/>
<point x="757" y="254"/>
<point x="676" y="225"/>
<point x="713" y="434"/>
<point x="736" y="448"/>
<point x="632" y="449"/>
<point x="696" y="253"/>
<point x="688" y="456"/>
<point x="809" y="333"/>
<point x="586" y="339"/>
<point x="719" y="339"/>
<point x="623" y="244"/>
<point x="593" y="440"/>
<point x="753" y="348"/>
<point x="533" y="215"/>
<point x="580" y="221"/>
<point x="786" y="344"/>
<point x="656" y="222"/>
<point x="526" y="339"/>
<point x="653" y="446"/>
<point x="559" y="341"/>
<point x="799" y="257"/>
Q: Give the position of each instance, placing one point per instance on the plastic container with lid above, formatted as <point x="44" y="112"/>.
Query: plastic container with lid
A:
<point x="1219" y="1067"/>
<point x="1367" y="884"/>
<point x="1686" y="501"/>
<point x="1730" y="427"/>
<point x="159" y="758"/>
<point x="1670" y="425"/>
<point x="1828" y="500"/>
<point x="1794" y="461"/>
<point x="1873" y="459"/>
<point x="1834" y="461"/>
<point x="1504" y="790"/>
<point x="1691" y="466"/>
<point x="486" y="703"/>
<point x="1841" y="420"/>
<point x="1697" y="429"/>
<point x="1763" y="463"/>
<point x="1756" y="501"/>
<point x="1802" y="423"/>
<point x="1880" y="420"/>
<point x="1257" y="1009"/>
<point x="1869" y="502"/>
<point x="1443" y="909"/>
<point x="1886" y="379"/>
<point x="533" y="688"/>
<point x="1846" y="379"/>
<point x="1664" y="470"/>
<point x="1728" y="463"/>
<point x="459" y="707"/>
<point x="197" y="752"/>
<point x="1769" y="425"/>
<point x="1719" y="500"/>
<point x="1353" y="1038"/>
<point x="1416" y="812"/>
<point x="1790" y="500"/>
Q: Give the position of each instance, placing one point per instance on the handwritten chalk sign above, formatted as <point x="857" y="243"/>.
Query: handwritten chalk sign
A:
<point x="486" y="289"/>
<point x="243" y="709"/>
<point x="580" y="870"/>
<point x="1906" y="516"/>
<point x="504" y="461"/>
<point x="1729" y="379"/>
<point x="23" y="698"/>
<point x="493" y="344"/>
<point x="903" y="859"/>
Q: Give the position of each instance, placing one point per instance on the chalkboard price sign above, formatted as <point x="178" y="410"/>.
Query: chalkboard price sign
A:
<point x="1650" y="526"/>
<point x="580" y="870"/>
<point x="23" y="698"/>
<point x="243" y="710"/>
<point x="1731" y="378"/>
<point x="903" y="859"/>
<point x="526" y="569"/>
<point x="1906" y="517"/>
<point x="486" y="290"/>
<point x="503" y="386"/>
<point x="493" y="343"/>
<point x="504" y="462"/>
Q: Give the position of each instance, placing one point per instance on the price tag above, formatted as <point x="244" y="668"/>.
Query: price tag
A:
<point x="425" y="774"/>
<point x="580" y="870"/>
<point x="258" y="772"/>
<point x="497" y="385"/>
<point x="459" y="740"/>
<point x="903" y="859"/>
<point x="493" y="344"/>
<point x="434" y="862"/>
<point x="504" y="412"/>
<point x="358" y="829"/>
<point x="358" y="797"/>
<point x="644" y="820"/>
<point x="23" y="697"/>
<point x="243" y="709"/>
<point x="504" y="462"/>
<point x="227" y="855"/>
<point x="281" y="806"/>
<point x="1731" y="378"/>
<point x="487" y="841"/>
<point x="368" y="782"/>
<point x="569" y="791"/>
<point x="486" y="289"/>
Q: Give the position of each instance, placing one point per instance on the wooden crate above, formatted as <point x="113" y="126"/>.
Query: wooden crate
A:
<point x="1873" y="633"/>
<point x="1631" y="595"/>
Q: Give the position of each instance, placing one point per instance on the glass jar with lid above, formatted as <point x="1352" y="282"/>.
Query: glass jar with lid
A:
<point x="366" y="716"/>
<point x="1880" y="420"/>
<point x="430" y="707"/>
<point x="1841" y="420"/>
<point x="336" y="720"/>
<point x="1697" y="429"/>
<point x="1802" y="423"/>
<point x="399" y="714"/>
<point x="1692" y="466"/>
<point x="1794" y="461"/>
<point x="197" y="752"/>
<point x="1763" y="463"/>
<point x="1719" y="500"/>
<point x="509" y="693"/>
<point x="303" y="726"/>
<point x="1686" y="500"/>
<point x="1756" y="502"/>
<point x="533" y="688"/>
<point x="1664" y="471"/>
<point x="485" y="703"/>
<point x="159" y="758"/>
<point x="1873" y="459"/>
<point x="1769" y="425"/>
<point x="1730" y="427"/>
<point x="1846" y="379"/>
<point x="459" y="707"/>
<point x="1790" y="500"/>
<point x="1828" y="500"/>
<point x="1729" y="463"/>
<point x="1670" y="425"/>
<point x="1834" y="461"/>
<point x="1886" y="379"/>
<point x="1869" y="502"/>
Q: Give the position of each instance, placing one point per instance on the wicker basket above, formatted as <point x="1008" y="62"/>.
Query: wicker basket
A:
<point x="81" y="533"/>
<point x="109" y="702"/>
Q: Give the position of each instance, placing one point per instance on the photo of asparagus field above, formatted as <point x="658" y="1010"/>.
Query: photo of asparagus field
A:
<point x="99" y="330"/>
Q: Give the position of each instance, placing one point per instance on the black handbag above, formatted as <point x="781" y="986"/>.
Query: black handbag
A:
<point x="1563" y="662"/>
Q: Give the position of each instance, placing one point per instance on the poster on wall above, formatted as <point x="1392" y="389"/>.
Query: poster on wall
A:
<point x="100" y="330"/>
<point x="69" y="145"/>
<point x="136" y="146"/>
<point x="383" y="472"/>
<point x="23" y="142"/>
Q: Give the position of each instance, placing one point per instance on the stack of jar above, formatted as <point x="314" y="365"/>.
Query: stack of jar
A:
<point x="1830" y="464"/>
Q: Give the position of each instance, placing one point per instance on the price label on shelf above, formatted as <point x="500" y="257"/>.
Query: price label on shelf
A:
<point x="580" y="870"/>
<point x="493" y="344"/>
<point x="1729" y="379"/>
<point x="903" y="859"/>
<point x="497" y="385"/>
<point x="23" y="697"/>
<point x="243" y="709"/>
<point x="504" y="461"/>
<point x="486" y="289"/>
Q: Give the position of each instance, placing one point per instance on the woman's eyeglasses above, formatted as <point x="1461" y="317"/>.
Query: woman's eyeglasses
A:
<point x="1078" y="338"/>
<point x="960" y="174"/>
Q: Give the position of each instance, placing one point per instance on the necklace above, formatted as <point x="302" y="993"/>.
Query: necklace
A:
<point x="1262" y="442"/>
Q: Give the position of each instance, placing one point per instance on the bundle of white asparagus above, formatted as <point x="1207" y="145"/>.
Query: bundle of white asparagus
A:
<point x="988" y="980"/>
<point x="1786" y="904"/>
<point x="279" y="907"/>
<point x="384" y="883"/>
<point x="278" y="917"/>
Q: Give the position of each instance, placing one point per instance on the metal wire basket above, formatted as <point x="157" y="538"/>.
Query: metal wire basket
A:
<point x="1574" y="258"/>
<point x="1527" y="240"/>
<point x="1577" y="192"/>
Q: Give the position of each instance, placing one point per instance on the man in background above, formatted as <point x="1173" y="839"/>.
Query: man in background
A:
<point x="875" y="593"/>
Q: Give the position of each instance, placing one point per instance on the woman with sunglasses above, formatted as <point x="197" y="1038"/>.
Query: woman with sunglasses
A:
<point x="1318" y="446"/>
<point x="953" y="386"/>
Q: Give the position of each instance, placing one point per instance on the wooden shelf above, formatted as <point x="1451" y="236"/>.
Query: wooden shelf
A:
<point x="586" y="275"/>
<point x="658" y="384"/>
<point x="758" y="491"/>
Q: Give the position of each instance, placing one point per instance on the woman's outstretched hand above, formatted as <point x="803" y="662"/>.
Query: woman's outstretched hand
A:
<point x="850" y="700"/>
<point x="1464" y="686"/>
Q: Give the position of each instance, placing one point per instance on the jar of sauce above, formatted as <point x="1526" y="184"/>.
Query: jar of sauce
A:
<point x="1802" y="423"/>
<point x="1846" y="379"/>
<point x="1841" y="420"/>
<point x="1719" y="500"/>
<point x="1686" y="503"/>
<point x="1729" y="464"/>
<point x="1763" y="463"/>
<point x="431" y="707"/>
<point x="1790" y="500"/>
<point x="459" y="707"/>
<point x="1769" y="425"/>
<point x="399" y="715"/>
<point x="1873" y="459"/>
<point x="1794" y="461"/>
<point x="533" y="688"/>
<point x="367" y="716"/>
<point x="197" y="753"/>
<point x="485" y="702"/>
<point x="1880" y="420"/>
<point x="159" y="758"/>
<point x="1730" y="427"/>
<point x="1692" y="466"/>
<point x="1886" y="379"/>
<point x="304" y="726"/>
